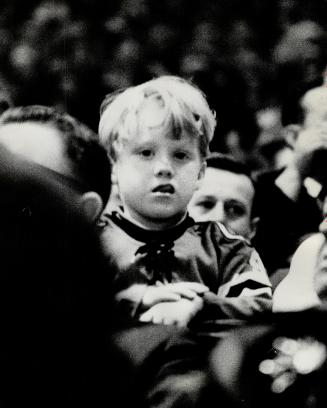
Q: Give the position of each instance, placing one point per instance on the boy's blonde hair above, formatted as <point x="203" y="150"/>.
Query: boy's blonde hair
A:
<point x="123" y="113"/>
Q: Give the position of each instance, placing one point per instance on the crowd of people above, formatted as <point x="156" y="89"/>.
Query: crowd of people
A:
<point x="251" y="59"/>
<point x="164" y="204"/>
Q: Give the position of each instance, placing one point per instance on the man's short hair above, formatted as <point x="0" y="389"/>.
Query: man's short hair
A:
<point x="227" y="162"/>
<point x="90" y="163"/>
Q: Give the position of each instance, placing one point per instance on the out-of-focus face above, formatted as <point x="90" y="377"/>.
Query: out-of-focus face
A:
<point x="314" y="103"/>
<point x="320" y="279"/>
<point x="43" y="144"/>
<point x="157" y="176"/>
<point x="39" y="143"/>
<point x="308" y="146"/>
<point x="225" y="197"/>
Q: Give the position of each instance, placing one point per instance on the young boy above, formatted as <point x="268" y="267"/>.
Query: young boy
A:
<point x="170" y="269"/>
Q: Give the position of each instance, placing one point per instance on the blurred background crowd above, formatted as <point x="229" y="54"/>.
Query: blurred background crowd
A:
<point x="252" y="58"/>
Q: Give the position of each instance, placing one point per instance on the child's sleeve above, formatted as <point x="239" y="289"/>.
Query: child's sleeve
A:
<point x="244" y="290"/>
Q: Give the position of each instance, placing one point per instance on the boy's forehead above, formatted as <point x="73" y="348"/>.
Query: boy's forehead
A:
<point x="153" y="120"/>
<point x="152" y="116"/>
<point x="164" y="135"/>
<point x="152" y="113"/>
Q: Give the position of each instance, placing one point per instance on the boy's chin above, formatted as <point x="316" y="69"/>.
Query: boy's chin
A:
<point x="166" y="217"/>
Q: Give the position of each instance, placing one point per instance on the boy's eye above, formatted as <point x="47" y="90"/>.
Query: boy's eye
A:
<point x="146" y="153"/>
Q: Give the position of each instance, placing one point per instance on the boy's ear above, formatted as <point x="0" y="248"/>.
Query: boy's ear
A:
<point x="92" y="205"/>
<point x="291" y="133"/>
<point x="254" y="223"/>
<point x="201" y="174"/>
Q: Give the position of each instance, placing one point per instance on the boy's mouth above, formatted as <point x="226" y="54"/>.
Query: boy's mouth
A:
<point x="164" y="188"/>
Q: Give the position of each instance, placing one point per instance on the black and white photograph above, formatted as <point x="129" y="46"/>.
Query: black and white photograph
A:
<point x="163" y="196"/>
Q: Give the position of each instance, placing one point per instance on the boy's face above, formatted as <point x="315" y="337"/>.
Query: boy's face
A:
<point x="157" y="176"/>
<point x="226" y="197"/>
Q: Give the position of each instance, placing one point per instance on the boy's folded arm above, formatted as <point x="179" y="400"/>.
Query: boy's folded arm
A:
<point x="171" y="292"/>
<point x="178" y="313"/>
<point x="138" y="298"/>
<point x="243" y="307"/>
<point x="128" y="301"/>
<point x="245" y="292"/>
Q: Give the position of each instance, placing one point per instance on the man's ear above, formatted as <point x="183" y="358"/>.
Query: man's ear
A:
<point x="253" y="225"/>
<point x="92" y="205"/>
<point x="201" y="174"/>
<point x="291" y="133"/>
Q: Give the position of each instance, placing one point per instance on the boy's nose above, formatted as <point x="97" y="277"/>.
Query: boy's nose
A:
<point x="163" y="168"/>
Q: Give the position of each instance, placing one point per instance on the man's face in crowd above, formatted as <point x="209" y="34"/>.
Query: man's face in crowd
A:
<point x="320" y="278"/>
<point x="226" y="197"/>
<point x="39" y="143"/>
<point x="43" y="144"/>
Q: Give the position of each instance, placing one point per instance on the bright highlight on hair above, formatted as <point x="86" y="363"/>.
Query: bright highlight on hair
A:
<point x="169" y="102"/>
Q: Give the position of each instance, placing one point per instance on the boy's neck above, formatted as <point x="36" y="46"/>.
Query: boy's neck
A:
<point x="154" y="225"/>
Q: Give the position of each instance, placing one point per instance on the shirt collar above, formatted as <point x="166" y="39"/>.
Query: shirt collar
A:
<point x="145" y="235"/>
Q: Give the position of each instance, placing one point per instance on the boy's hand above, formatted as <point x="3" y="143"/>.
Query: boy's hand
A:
<point x="172" y="292"/>
<point x="177" y="313"/>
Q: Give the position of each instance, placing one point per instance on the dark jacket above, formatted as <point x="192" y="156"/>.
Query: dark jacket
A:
<point x="54" y="296"/>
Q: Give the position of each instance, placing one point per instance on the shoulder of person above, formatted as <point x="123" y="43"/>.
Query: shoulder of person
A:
<point x="103" y="221"/>
<point x="219" y="231"/>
